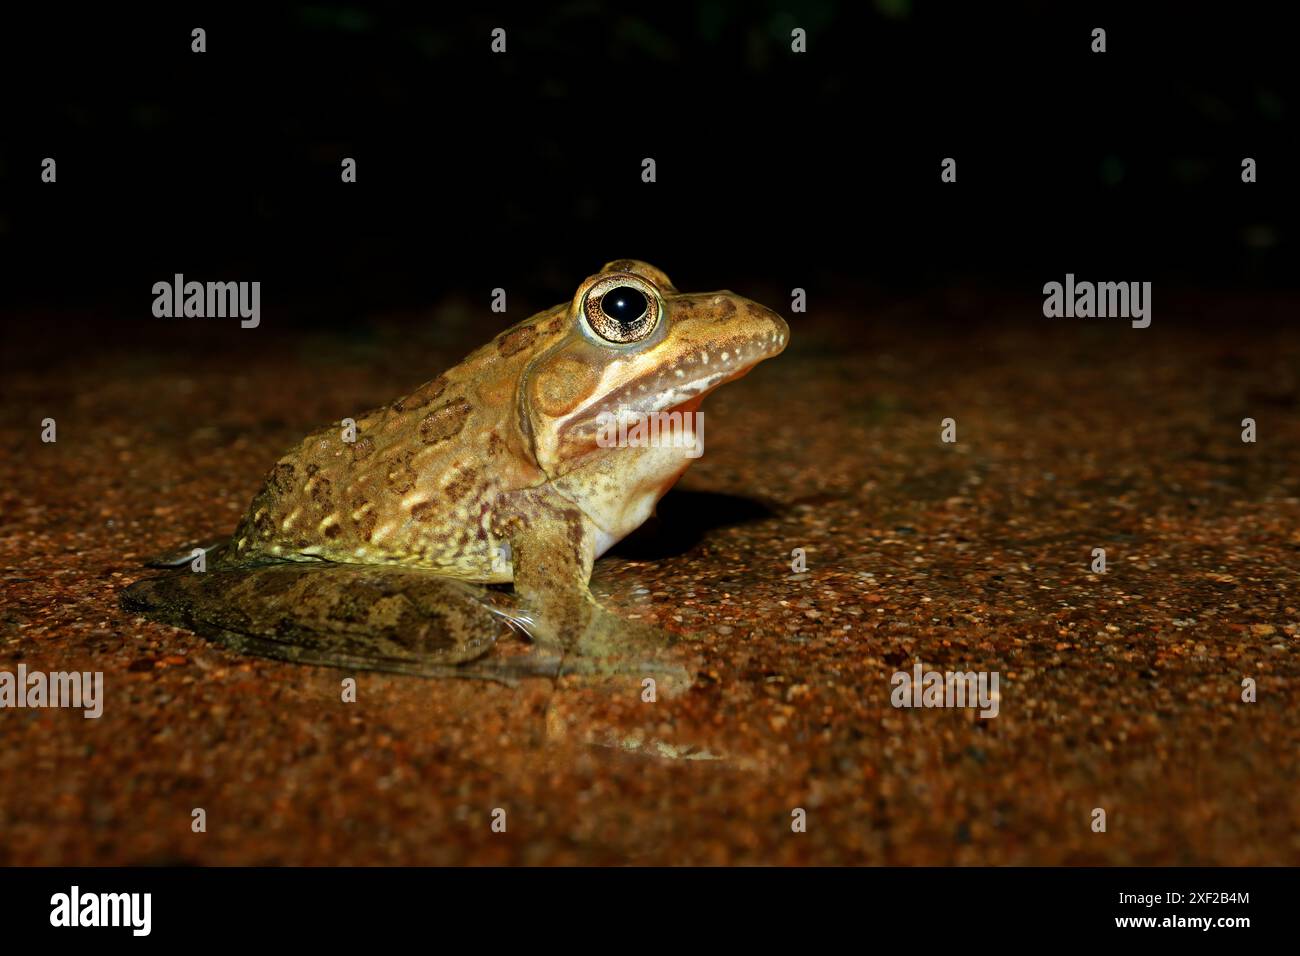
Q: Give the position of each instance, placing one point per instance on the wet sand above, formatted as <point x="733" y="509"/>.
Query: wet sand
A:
<point x="1119" y="691"/>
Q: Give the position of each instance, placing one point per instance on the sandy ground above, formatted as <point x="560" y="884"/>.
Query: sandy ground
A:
<point x="1119" y="691"/>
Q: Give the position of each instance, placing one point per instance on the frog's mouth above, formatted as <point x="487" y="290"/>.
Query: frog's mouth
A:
<point x="649" y="396"/>
<point x="662" y="392"/>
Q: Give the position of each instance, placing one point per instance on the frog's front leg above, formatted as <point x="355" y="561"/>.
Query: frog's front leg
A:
<point x="553" y="551"/>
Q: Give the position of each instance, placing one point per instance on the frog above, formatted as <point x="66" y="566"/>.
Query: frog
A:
<point x="417" y="536"/>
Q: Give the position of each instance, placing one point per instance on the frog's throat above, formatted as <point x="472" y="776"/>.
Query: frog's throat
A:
<point x="613" y="519"/>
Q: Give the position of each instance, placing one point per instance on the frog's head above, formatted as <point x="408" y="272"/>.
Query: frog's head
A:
<point x="627" y="347"/>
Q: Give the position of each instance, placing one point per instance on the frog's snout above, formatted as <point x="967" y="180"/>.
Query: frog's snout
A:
<point x="761" y="332"/>
<point x="777" y="330"/>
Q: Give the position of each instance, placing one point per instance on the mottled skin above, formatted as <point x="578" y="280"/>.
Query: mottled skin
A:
<point x="354" y="553"/>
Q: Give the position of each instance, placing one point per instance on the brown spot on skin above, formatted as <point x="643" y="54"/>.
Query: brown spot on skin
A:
<point x="312" y="470"/>
<point x="280" y="480"/>
<point x="399" y="473"/>
<point x="495" y="445"/>
<point x="333" y="530"/>
<point x="444" y="422"/>
<point x="726" y="309"/>
<point x="516" y="340"/>
<point x="362" y="449"/>
<point x="365" y="521"/>
<point x="320" y="492"/>
<point x="422" y="396"/>
<point x="505" y="526"/>
<point x="460" y="486"/>
<point x="424" y="511"/>
<point x="556" y="324"/>
<point x="562" y="384"/>
<point x="263" y="524"/>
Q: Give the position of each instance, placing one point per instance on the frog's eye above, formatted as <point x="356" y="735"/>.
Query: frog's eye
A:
<point x="622" y="309"/>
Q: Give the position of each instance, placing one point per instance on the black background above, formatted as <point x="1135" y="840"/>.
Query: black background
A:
<point x="522" y="170"/>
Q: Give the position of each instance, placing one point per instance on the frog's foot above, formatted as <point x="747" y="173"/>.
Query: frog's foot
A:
<point x="608" y="635"/>
<point x="608" y="645"/>
<point x="358" y="617"/>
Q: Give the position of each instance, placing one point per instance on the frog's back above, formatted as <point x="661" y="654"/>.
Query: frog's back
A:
<point x="418" y="485"/>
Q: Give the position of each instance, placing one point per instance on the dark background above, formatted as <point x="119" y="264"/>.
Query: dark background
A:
<point x="523" y="170"/>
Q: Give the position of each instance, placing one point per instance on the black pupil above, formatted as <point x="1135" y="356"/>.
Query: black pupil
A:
<point x="624" y="305"/>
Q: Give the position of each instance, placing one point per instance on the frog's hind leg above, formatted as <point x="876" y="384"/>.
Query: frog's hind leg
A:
<point x="361" y="617"/>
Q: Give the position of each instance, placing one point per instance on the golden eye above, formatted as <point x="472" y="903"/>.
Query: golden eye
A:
<point x="622" y="309"/>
